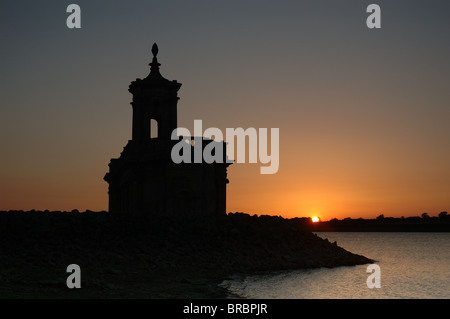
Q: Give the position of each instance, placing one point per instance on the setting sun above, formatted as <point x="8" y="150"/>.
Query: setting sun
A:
<point x="315" y="219"/>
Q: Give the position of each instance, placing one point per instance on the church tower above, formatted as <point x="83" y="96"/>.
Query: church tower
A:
<point x="144" y="179"/>
<point x="154" y="98"/>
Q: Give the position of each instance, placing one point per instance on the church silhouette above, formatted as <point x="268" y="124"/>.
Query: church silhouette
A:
<point x="144" y="179"/>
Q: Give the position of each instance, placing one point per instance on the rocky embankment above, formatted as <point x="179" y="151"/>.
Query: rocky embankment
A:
<point x="153" y="257"/>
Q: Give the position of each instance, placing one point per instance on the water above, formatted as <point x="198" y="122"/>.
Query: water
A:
<point x="413" y="265"/>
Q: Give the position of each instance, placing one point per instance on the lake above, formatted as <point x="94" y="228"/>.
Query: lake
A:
<point x="412" y="265"/>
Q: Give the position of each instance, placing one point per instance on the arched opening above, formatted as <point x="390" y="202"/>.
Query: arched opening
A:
<point x="153" y="128"/>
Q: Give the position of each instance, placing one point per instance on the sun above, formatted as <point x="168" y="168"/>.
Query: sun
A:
<point x="315" y="219"/>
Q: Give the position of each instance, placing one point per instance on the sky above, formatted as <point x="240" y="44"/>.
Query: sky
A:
<point x="363" y="114"/>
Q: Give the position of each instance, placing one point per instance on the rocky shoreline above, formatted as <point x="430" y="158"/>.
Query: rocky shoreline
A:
<point x="151" y="257"/>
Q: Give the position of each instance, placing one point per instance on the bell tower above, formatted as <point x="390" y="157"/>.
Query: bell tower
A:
<point x="154" y="98"/>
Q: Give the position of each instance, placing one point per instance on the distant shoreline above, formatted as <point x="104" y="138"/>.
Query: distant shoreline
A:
<point x="385" y="224"/>
<point x="379" y="224"/>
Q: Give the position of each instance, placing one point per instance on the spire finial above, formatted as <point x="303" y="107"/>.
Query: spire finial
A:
<point x="155" y="50"/>
<point x="155" y="65"/>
